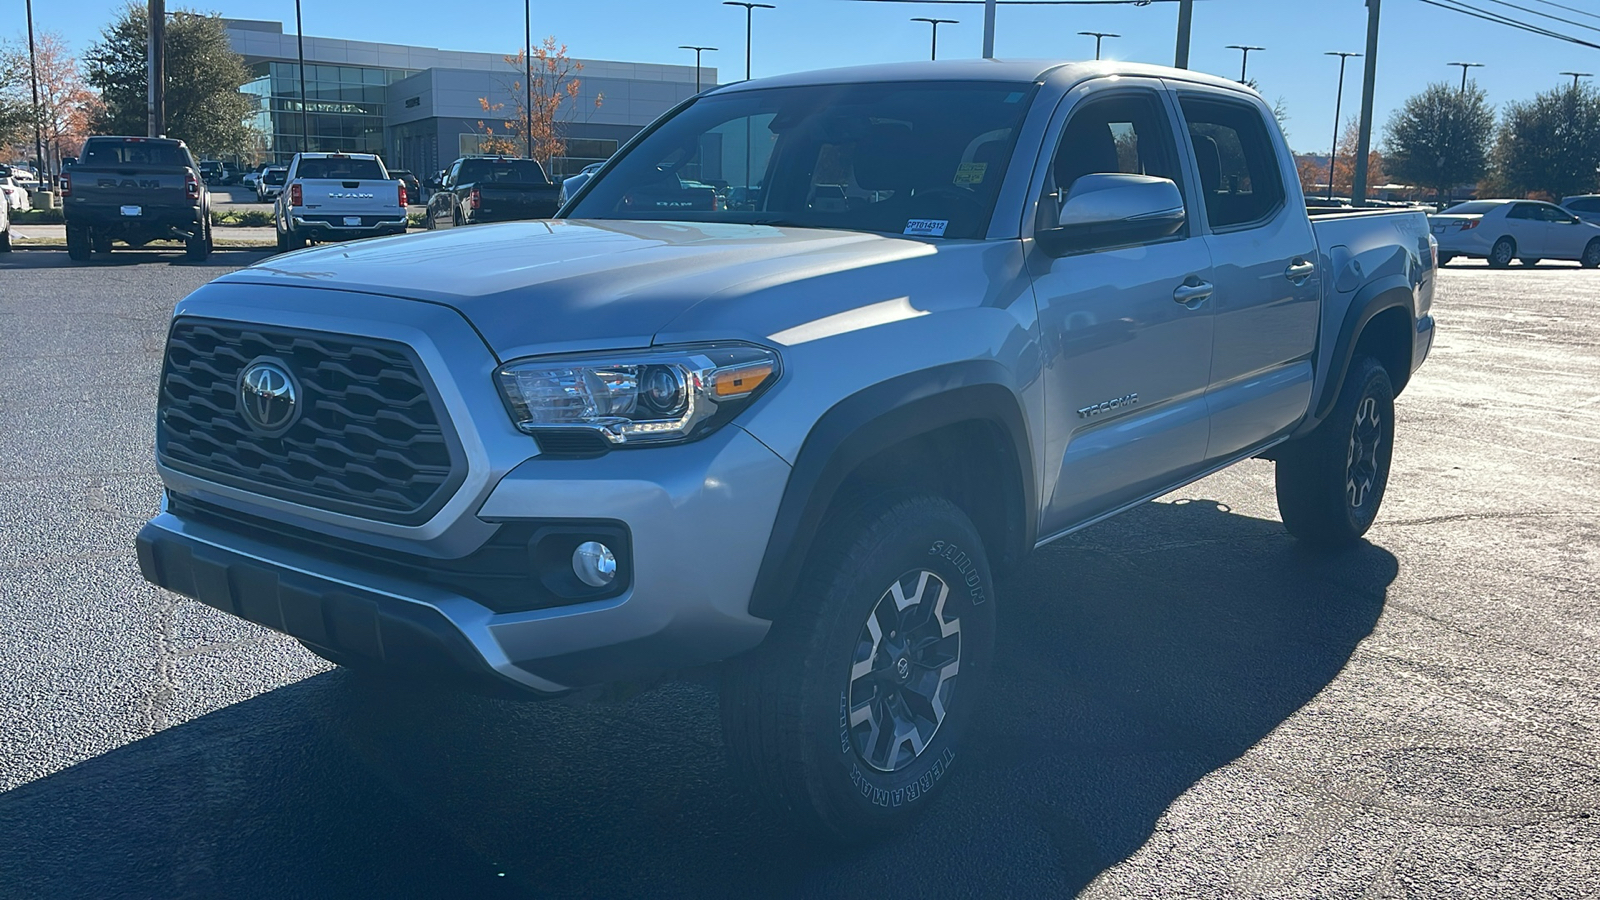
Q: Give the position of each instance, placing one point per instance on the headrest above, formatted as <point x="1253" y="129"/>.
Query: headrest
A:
<point x="884" y="158"/>
<point x="1208" y="157"/>
<point x="1087" y="148"/>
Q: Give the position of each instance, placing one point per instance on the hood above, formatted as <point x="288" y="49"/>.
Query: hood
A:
<point x="553" y="286"/>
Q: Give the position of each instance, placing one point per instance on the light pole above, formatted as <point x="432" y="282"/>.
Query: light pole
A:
<point x="527" y="75"/>
<point x="1185" y="31"/>
<point x="749" y="11"/>
<point x="1245" y="63"/>
<point x="300" y="49"/>
<point x="33" y="73"/>
<point x="1464" y="68"/>
<point x="1338" y="109"/>
<point x="1098" y="37"/>
<point x="697" y="52"/>
<point x="1576" y="76"/>
<point x="988" y="28"/>
<point x="936" y="23"/>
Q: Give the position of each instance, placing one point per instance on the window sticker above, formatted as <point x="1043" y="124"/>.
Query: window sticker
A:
<point x="927" y="227"/>
<point x="971" y="173"/>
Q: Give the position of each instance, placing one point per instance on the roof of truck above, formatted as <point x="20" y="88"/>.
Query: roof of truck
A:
<point x="1013" y="70"/>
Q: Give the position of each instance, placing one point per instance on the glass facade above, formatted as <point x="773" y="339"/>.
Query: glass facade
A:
<point x="344" y="107"/>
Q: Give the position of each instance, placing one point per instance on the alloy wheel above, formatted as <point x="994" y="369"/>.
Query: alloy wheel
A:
<point x="1361" y="466"/>
<point x="903" y="672"/>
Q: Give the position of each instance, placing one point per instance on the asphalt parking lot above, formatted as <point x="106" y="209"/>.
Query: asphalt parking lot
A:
<point x="1187" y="704"/>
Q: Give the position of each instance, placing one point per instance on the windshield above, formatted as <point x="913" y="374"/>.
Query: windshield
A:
<point x="501" y="171"/>
<point x="923" y="158"/>
<point x="1474" y="208"/>
<point x="340" y="167"/>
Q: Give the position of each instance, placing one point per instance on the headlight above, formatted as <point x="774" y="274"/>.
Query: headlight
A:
<point x="659" y="396"/>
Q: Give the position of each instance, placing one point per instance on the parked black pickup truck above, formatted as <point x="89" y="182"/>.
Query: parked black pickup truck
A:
<point x="493" y="189"/>
<point x="135" y="190"/>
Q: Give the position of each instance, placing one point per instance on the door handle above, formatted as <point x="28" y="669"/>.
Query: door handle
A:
<point x="1194" y="292"/>
<point x="1300" y="270"/>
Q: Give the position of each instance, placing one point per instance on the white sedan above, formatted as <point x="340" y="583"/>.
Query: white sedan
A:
<point x="16" y="196"/>
<point x="1503" y="230"/>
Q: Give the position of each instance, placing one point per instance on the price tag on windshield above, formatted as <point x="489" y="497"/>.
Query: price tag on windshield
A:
<point x="927" y="227"/>
<point x="971" y="173"/>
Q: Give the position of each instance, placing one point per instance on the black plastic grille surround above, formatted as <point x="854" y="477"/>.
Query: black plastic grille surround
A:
<point x="370" y="440"/>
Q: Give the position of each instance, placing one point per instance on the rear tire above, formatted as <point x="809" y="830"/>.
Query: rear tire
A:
<point x="847" y="720"/>
<point x="1591" y="255"/>
<point x="198" y="245"/>
<point x="1445" y="258"/>
<point x="78" y="246"/>
<point x="5" y="240"/>
<point x="1331" y="482"/>
<point x="1502" y="253"/>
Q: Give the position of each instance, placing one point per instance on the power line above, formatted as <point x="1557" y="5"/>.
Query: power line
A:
<point x="1456" y="6"/>
<point x="1534" y="12"/>
<point x="1025" y="2"/>
<point x="1581" y="12"/>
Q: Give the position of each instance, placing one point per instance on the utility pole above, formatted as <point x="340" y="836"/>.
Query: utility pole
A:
<point x="1185" y="27"/>
<point x="1245" y="64"/>
<point x="1576" y="76"/>
<point x="1098" y="37"/>
<point x="38" y="123"/>
<point x="527" y="74"/>
<point x="936" y="23"/>
<point x="988" y="28"/>
<point x="697" y="52"/>
<point x="749" y="10"/>
<point x="1464" y="68"/>
<point x="300" y="49"/>
<point x="1358" y="183"/>
<point x="156" y="68"/>
<point x="1338" y="110"/>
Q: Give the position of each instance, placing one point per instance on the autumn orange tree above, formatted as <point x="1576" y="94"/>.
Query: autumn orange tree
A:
<point x="1344" y="168"/>
<point x="66" y="104"/>
<point x="555" y="84"/>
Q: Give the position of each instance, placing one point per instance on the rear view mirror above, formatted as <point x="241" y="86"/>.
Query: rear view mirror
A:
<point x="1111" y="210"/>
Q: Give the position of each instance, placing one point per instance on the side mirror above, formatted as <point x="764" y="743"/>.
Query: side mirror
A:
<point x="1112" y="210"/>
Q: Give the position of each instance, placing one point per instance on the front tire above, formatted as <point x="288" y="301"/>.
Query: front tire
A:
<point x="1530" y="262"/>
<point x="1502" y="253"/>
<point x="1331" y="482"/>
<point x="1591" y="255"/>
<point x="848" y="720"/>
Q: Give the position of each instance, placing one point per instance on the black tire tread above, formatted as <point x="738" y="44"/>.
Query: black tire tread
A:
<point x="761" y="698"/>
<point x="1312" y="503"/>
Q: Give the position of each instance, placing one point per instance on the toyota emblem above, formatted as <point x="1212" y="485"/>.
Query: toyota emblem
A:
<point x="267" y="397"/>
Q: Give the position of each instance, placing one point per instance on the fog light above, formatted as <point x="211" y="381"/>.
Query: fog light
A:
<point x="594" y="564"/>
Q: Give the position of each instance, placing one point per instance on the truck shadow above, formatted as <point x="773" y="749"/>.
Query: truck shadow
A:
<point x="1135" y="659"/>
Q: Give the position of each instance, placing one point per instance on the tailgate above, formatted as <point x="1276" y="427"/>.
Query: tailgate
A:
<point x="332" y="197"/>
<point x="132" y="191"/>
<point x="530" y="200"/>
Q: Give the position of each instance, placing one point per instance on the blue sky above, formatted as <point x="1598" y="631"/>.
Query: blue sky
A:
<point x="1418" y="40"/>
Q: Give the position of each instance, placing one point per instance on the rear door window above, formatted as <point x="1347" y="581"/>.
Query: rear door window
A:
<point x="133" y="153"/>
<point x="1523" y="211"/>
<point x="1238" y="164"/>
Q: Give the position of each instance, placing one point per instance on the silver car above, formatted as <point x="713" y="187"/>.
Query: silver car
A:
<point x="1503" y="230"/>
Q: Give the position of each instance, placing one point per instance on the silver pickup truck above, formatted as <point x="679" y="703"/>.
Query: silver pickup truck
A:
<point x="965" y="308"/>
<point x="336" y="197"/>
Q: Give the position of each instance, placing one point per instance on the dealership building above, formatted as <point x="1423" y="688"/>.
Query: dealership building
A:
<point x="421" y="107"/>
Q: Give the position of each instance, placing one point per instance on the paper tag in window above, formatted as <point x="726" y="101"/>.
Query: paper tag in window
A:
<point x="971" y="173"/>
<point x="927" y="227"/>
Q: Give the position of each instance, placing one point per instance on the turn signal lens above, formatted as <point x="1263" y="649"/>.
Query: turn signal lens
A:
<point x="728" y="384"/>
<point x="1470" y="224"/>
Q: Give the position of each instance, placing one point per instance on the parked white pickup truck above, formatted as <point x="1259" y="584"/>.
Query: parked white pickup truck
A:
<point x="963" y="309"/>
<point x="337" y="197"/>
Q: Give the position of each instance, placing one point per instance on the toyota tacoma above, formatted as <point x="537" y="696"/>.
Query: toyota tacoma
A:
<point x="976" y="306"/>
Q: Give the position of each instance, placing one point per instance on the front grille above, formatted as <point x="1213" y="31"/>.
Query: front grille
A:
<point x="370" y="439"/>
